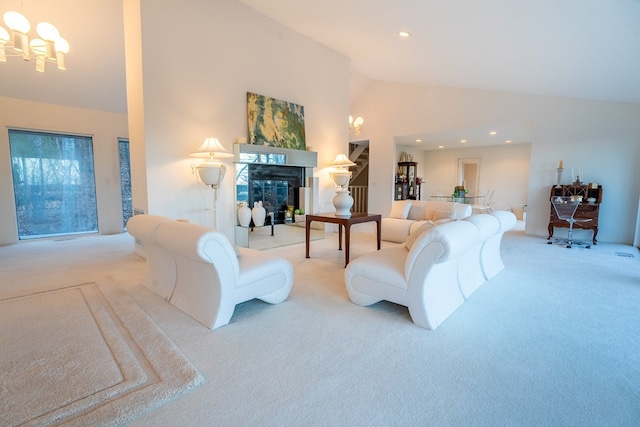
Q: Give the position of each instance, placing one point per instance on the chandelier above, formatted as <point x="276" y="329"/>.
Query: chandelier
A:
<point x="50" y="47"/>
<point x="355" y="124"/>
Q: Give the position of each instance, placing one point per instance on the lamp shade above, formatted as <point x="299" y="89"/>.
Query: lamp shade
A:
<point x="47" y="31"/>
<point x="212" y="148"/>
<point x="17" y="22"/>
<point x="4" y="36"/>
<point x="342" y="161"/>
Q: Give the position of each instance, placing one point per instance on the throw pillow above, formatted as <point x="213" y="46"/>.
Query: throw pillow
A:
<point x="416" y="213"/>
<point x="400" y="209"/>
<point x="441" y="215"/>
<point x="413" y="236"/>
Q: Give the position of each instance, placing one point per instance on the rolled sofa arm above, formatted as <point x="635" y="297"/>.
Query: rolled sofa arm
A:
<point x="207" y="271"/>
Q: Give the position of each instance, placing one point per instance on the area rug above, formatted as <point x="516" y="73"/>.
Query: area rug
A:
<point x="85" y="355"/>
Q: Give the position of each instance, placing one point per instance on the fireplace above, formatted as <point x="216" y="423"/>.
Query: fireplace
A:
<point x="277" y="186"/>
<point x="272" y="175"/>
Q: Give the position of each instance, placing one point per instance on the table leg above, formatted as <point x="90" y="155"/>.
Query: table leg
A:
<point x="379" y="232"/>
<point x="339" y="237"/>
<point x="308" y="235"/>
<point x="347" y="241"/>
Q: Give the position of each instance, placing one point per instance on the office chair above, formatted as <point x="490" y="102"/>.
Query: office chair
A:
<point x="565" y="209"/>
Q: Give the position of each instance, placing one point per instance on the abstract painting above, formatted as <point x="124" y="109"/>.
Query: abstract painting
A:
<point x="275" y="123"/>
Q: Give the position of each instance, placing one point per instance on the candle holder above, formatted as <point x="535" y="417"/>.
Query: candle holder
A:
<point x="560" y="170"/>
<point x="577" y="182"/>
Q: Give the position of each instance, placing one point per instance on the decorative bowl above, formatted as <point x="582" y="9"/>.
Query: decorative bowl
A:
<point x="591" y="200"/>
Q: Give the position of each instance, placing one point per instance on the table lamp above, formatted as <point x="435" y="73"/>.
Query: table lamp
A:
<point x="340" y="175"/>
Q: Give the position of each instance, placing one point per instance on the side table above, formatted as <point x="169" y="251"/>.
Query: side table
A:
<point x="355" y="218"/>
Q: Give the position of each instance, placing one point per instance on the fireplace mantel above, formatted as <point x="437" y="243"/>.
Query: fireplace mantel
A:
<point x="300" y="158"/>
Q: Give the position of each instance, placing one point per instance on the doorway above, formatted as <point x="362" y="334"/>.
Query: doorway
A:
<point x="359" y="183"/>
<point x="469" y="175"/>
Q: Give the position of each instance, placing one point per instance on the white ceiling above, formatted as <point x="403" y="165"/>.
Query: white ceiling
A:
<point x="95" y="74"/>
<point x="572" y="48"/>
<point x="575" y="48"/>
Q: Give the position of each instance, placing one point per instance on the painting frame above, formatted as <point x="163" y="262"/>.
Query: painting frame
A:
<point x="276" y="123"/>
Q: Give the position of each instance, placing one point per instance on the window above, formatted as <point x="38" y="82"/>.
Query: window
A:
<point x="54" y="184"/>
<point x="125" y="180"/>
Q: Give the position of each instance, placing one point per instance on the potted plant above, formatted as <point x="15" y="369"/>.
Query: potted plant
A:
<point x="299" y="216"/>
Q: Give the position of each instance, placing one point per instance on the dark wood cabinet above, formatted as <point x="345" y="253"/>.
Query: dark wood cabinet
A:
<point x="407" y="187"/>
<point x="586" y="209"/>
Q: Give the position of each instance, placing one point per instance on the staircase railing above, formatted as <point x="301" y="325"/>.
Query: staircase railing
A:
<point x="359" y="194"/>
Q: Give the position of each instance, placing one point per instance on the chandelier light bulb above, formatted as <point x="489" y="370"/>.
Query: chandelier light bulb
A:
<point x="62" y="45"/>
<point x="4" y="36"/>
<point x="17" y="22"/>
<point x="47" y="46"/>
<point x="38" y="47"/>
<point x="47" y="31"/>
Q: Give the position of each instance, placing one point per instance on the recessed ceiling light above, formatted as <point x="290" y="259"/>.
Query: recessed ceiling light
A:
<point x="418" y="140"/>
<point x="493" y="132"/>
<point x="508" y="141"/>
<point x="463" y="141"/>
<point x="404" y="34"/>
<point x="440" y="146"/>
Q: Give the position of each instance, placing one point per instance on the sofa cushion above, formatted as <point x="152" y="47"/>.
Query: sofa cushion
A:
<point x="460" y="211"/>
<point x="441" y="214"/>
<point x="400" y="209"/>
<point x="417" y="212"/>
<point x="416" y="233"/>
<point x="395" y="229"/>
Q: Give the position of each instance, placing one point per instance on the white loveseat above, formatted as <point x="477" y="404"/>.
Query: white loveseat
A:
<point x="198" y="270"/>
<point x="435" y="270"/>
<point x="408" y="215"/>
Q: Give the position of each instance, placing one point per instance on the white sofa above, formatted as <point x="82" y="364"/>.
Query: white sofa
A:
<point x="408" y="215"/>
<point x="211" y="276"/>
<point x="434" y="271"/>
<point x="490" y="259"/>
<point x="160" y="272"/>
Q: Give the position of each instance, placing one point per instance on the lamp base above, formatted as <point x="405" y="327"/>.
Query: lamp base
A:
<point x="343" y="202"/>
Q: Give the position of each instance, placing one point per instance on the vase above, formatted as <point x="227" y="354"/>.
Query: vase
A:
<point x="258" y="214"/>
<point x="244" y="214"/>
<point x="343" y="201"/>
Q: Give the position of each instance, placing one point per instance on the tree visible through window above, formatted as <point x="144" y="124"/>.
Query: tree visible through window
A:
<point x="125" y="180"/>
<point x="54" y="184"/>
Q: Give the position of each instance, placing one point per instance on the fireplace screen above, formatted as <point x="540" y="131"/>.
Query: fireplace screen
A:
<point x="275" y="185"/>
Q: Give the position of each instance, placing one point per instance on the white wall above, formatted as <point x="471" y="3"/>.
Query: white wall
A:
<point x="504" y="169"/>
<point x="105" y="128"/>
<point x="195" y="86"/>
<point x="601" y="137"/>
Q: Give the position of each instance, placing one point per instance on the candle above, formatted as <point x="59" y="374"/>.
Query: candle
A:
<point x="572" y="174"/>
<point x="560" y="165"/>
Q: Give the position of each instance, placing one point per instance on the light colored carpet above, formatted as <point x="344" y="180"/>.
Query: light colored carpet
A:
<point x="284" y="235"/>
<point x="552" y="340"/>
<point x="81" y="356"/>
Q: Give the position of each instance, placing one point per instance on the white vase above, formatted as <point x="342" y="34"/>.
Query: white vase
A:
<point x="244" y="215"/>
<point x="343" y="201"/>
<point x="258" y="214"/>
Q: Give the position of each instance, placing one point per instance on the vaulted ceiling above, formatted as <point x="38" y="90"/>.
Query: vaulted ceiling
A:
<point x="575" y="48"/>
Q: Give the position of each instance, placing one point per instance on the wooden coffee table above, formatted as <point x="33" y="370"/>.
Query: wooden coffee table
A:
<point x="355" y="218"/>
